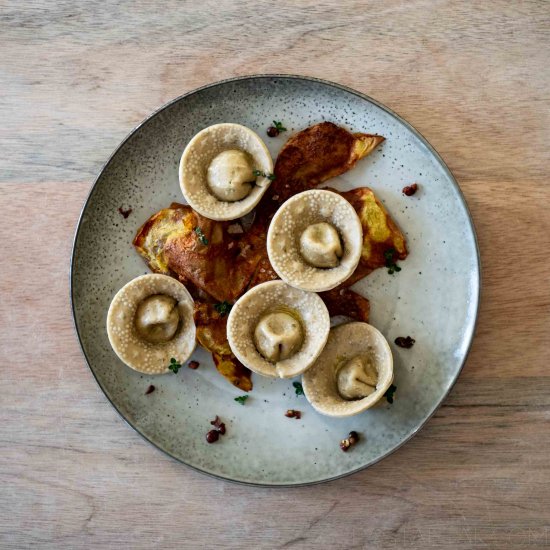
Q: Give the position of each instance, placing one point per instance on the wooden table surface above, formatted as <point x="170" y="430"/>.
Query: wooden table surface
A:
<point x="76" y="77"/>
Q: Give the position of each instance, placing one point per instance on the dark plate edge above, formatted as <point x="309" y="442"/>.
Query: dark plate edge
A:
<point x="399" y="119"/>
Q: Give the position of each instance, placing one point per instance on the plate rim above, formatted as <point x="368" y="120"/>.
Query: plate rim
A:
<point x="341" y="87"/>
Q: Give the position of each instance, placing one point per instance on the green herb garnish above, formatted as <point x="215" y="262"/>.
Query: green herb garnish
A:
<point x="258" y="173"/>
<point x="174" y="366"/>
<point x="223" y="308"/>
<point x="389" y="393"/>
<point x="298" y="387"/>
<point x="201" y="236"/>
<point x="279" y="126"/>
<point x="241" y="399"/>
<point x="390" y="262"/>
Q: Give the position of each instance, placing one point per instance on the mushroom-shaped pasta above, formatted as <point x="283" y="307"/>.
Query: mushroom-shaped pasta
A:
<point x="314" y="241"/>
<point x="277" y="330"/>
<point x="150" y="322"/>
<point x="224" y="171"/>
<point x="352" y="374"/>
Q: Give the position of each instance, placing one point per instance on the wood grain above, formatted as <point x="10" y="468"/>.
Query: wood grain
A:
<point x="471" y="76"/>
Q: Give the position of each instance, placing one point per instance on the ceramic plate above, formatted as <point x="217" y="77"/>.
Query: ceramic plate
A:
<point x="434" y="298"/>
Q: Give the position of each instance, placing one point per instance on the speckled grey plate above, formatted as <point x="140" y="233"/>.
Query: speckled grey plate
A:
<point x="434" y="298"/>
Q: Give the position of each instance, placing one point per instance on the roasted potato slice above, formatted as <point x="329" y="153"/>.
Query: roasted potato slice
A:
<point x="231" y="369"/>
<point x="380" y="233"/>
<point x="153" y="234"/>
<point x="214" y="260"/>
<point x="211" y="255"/>
<point x="211" y="335"/>
<point x="315" y="155"/>
<point x="346" y="302"/>
<point x="211" y="328"/>
<point x="264" y="272"/>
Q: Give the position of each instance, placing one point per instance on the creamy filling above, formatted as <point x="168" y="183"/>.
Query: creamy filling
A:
<point x="321" y="246"/>
<point x="357" y="378"/>
<point x="230" y="175"/>
<point x="157" y="318"/>
<point x="278" y="335"/>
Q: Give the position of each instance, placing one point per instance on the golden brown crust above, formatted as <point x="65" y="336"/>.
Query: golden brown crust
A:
<point x="315" y="155"/>
<point x="152" y="235"/>
<point x="179" y="241"/>
<point x="234" y="371"/>
<point x="380" y="233"/>
<point x="212" y="335"/>
<point x="211" y="328"/>
<point x="346" y="302"/>
<point x="264" y="272"/>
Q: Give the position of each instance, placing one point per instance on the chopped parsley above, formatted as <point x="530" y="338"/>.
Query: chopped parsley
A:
<point x="279" y="126"/>
<point x="269" y="176"/>
<point x="389" y="393"/>
<point x="241" y="399"/>
<point x="201" y="236"/>
<point x="223" y="308"/>
<point x="174" y="366"/>
<point x="390" y="262"/>
<point x="298" y="387"/>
